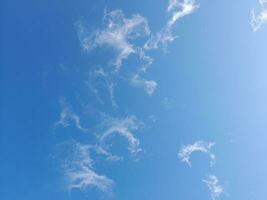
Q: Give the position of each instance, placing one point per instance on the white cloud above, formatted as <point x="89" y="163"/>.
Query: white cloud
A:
<point x="212" y="183"/>
<point x="177" y="9"/>
<point x="91" y="85"/>
<point x="117" y="32"/>
<point x="199" y="146"/>
<point x="108" y="82"/>
<point x="124" y="128"/>
<point x="78" y="168"/>
<point x="120" y="33"/>
<point x="147" y="60"/>
<point x="111" y="87"/>
<point x="159" y="39"/>
<point x="172" y="4"/>
<point x="148" y="85"/>
<point x="68" y="117"/>
<point x="109" y="157"/>
<point x="260" y="18"/>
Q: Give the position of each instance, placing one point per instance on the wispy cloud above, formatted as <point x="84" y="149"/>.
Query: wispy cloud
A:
<point x="78" y="169"/>
<point x="91" y="83"/>
<point x="148" y="85"/>
<point x="123" y="127"/>
<point x="68" y="116"/>
<point x="111" y="87"/>
<point x="167" y="103"/>
<point x="176" y="9"/>
<point x="179" y="9"/>
<point x="109" y="127"/>
<point x="199" y="146"/>
<point x="160" y="39"/>
<point x="123" y="34"/>
<point x="260" y="18"/>
<point x="147" y="60"/>
<point x="212" y="183"/>
<point x="109" y="157"/>
<point x="117" y="32"/>
<point x="109" y="84"/>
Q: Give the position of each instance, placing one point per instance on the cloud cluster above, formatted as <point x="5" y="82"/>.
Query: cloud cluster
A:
<point x="110" y="126"/>
<point x="212" y="183"/>
<point x="199" y="146"/>
<point x="260" y="18"/>
<point x="120" y="33"/>
<point x="126" y="36"/>
<point x="78" y="163"/>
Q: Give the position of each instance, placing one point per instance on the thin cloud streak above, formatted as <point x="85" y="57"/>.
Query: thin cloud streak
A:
<point x="109" y="157"/>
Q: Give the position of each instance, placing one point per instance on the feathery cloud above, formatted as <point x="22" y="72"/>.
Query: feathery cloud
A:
<point x="68" y="117"/>
<point x="259" y="19"/>
<point x="199" y="146"/>
<point x="111" y="87"/>
<point x="147" y="60"/>
<point x="109" y="157"/>
<point x="177" y="9"/>
<point x="109" y="84"/>
<point x="117" y="32"/>
<point x="124" y="128"/>
<point x="148" y="85"/>
<point x="107" y="81"/>
<point x="79" y="172"/>
<point x="212" y="183"/>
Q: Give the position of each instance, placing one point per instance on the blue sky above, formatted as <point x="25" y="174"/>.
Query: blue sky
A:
<point x="133" y="100"/>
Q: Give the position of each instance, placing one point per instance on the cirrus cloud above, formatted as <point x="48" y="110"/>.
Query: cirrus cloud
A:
<point x="212" y="183"/>
<point x="123" y="127"/>
<point x="176" y="9"/>
<point x="199" y="146"/>
<point x="260" y="18"/>
<point x="78" y="168"/>
<point x="117" y="32"/>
